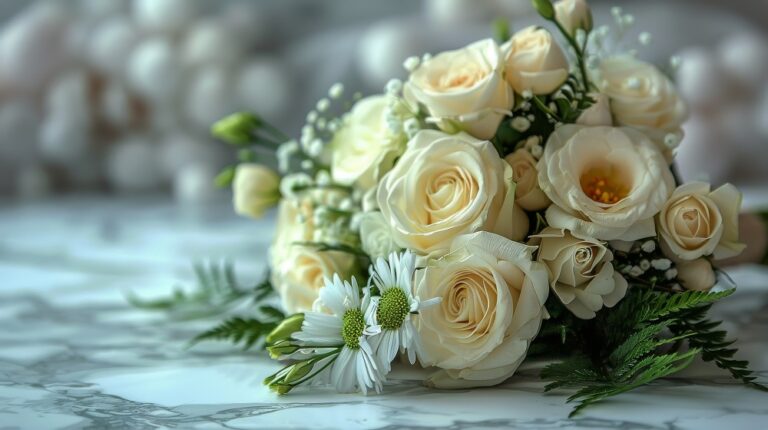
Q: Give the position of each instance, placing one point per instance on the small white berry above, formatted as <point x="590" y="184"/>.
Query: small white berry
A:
<point x="336" y="90"/>
<point x="411" y="63"/>
<point x="520" y="123"/>
<point x="394" y="86"/>
<point x="671" y="274"/>
<point x="661" y="264"/>
<point x="648" y="246"/>
<point x="644" y="38"/>
<point x="323" y="105"/>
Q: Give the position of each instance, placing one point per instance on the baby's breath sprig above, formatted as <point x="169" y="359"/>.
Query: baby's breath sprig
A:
<point x="644" y="265"/>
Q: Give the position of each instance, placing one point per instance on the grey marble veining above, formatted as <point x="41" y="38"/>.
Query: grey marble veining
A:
<point x="74" y="354"/>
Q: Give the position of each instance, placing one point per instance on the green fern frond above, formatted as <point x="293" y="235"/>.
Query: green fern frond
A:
<point x="628" y="346"/>
<point x="646" y="371"/>
<point x="714" y="346"/>
<point x="216" y="291"/>
<point x="247" y="331"/>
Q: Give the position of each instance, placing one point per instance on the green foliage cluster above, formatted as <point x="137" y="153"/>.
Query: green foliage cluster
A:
<point x="649" y="335"/>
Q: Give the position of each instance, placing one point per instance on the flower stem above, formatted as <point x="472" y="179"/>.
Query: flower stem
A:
<point x="580" y="51"/>
<point x="540" y="104"/>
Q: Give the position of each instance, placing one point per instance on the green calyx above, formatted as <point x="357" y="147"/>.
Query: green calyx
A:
<point x="237" y="129"/>
<point x="393" y="309"/>
<point x="352" y="328"/>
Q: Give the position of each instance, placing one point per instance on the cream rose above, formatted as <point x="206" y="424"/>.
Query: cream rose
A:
<point x="697" y="222"/>
<point x="302" y="273"/>
<point x="464" y="89"/>
<point x="256" y="188"/>
<point x="581" y="271"/>
<point x="573" y="15"/>
<point x="642" y="97"/>
<point x="528" y="194"/>
<point x="492" y="306"/>
<point x="297" y="271"/>
<point x="375" y="235"/>
<point x="295" y="223"/>
<point x="696" y="275"/>
<point x="447" y="185"/>
<point x="604" y="182"/>
<point x="364" y="149"/>
<point x="534" y="62"/>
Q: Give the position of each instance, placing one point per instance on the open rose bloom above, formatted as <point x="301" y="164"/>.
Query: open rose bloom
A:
<point x="509" y="199"/>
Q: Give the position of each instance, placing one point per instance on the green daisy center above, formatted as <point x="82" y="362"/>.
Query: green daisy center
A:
<point x="393" y="308"/>
<point x="352" y="326"/>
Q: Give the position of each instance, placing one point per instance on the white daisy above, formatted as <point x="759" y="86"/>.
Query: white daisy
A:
<point x="391" y="311"/>
<point x="343" y="326"/>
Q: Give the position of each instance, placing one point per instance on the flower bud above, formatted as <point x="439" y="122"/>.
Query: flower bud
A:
<point x="696" y="275"/>
<point x="544" y="8"/>
<point x="574" y="15"/>
<point x="286" y="328"/>
<point x="599" y="114"/>
<point x="281" y="388"/>
<point x="256" y="188"/>
<point x="236" y="129"/>
<point x="280" y="349"/>
<point x="298" y="371"/>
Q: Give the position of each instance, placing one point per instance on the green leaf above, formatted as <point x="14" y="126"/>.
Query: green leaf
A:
<point x="216" y="292"/>
<point x="501" y="29"/>
<point x="272" y="312"/>
<point x="238" y="330"/>
<point x="714" y="346"/>
<point x="646" y="371"/>
<point x="225" y="177"/>
<point x="340" y="247"/>
<point x="628" y="346"/>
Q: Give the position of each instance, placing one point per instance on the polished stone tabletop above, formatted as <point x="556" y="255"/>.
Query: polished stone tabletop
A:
<point x="74" y="354"/>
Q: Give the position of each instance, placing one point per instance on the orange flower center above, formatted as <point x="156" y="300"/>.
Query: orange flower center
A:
<point x="604" y="184"/>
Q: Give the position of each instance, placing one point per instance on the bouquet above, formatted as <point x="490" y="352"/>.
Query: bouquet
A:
<point x="513" y="199"/>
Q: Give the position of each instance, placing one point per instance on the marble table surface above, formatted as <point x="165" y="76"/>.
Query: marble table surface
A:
<point x="74" y="354"/>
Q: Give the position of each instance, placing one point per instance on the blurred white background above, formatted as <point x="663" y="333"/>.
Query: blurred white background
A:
<point x="118" y="95"/>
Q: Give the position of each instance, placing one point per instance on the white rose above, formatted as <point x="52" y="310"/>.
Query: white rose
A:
<point x="302" y="272"/>
<point x="464" y="89"/>
<point x="597" y="114"/>
<point x="365" y="148"/>
<point x="375" y="235"/>
<point x="573" y="15"/>
<point x="447" y="185"/>
<point x="492" y="306"/>
<point x="534" y="62"/>
<point x="642" y="97"/>
<point x="256" y="188"/>
<point x="528" y="194"/>
<point x="697" y="222"/>
<point x="604" y="182"/>
<point x="696" y="275"/>
<point x="581" y="271"/>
